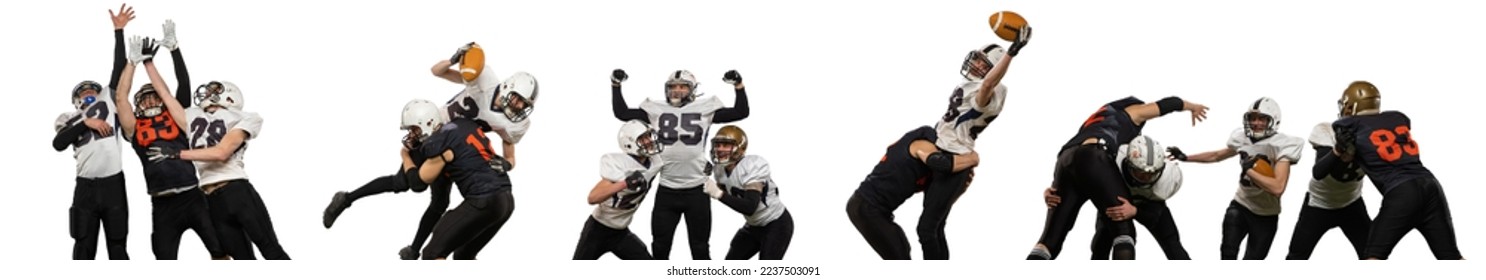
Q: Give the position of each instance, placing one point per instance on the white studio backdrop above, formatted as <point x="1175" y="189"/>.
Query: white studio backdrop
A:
<point x="830" y="84"/>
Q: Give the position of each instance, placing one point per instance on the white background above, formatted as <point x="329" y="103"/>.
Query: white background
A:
<point x="831" y="84"/>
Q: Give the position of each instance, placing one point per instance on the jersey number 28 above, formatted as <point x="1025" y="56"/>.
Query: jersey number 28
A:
<point x="213" y="130"/>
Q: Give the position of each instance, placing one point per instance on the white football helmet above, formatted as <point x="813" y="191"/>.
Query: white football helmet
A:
<point x="77" y="93"/>
<point x="637" y="138"/>
<point x="1145" y="159"/>
<point x="521" y="87"/>
<point x="682" y="77"/>
<point x="422" y="114"/>
<point x="219" y="93"/>
<point x="990" y="54"/>
<point x="1266" y="107"/>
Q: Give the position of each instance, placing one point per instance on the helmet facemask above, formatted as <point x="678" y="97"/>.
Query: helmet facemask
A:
<point x="978" y="63"/>
<point x="681" y="88"/>
<point x="85" y="94"/>
<point x="1259" y="125"/>
<point x="147" y="102"/>
<point x="515" y="106"/>
<point x="209" y="95"/>
<point x="648" y="144"/>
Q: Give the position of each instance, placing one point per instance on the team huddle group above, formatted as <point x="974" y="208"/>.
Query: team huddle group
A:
<point x="196" y="177"/>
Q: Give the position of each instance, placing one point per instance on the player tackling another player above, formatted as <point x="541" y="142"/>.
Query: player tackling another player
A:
<point x="624" y="182"/>
<point x="1152" y="181"/>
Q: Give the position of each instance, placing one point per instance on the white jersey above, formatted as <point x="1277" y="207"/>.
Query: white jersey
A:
<point x="97" y="156"/>
<point x="964" y="121"/>
<point x="1331" y="192"/>
<point x="1165" y="186"/>
<point x="464" y="105"/>
<point x="753" y="169"/>
<point x="208" y="129"/>
<point x="683" y="131"/>
<point x="617" y="211"/>
<point x="1277" y="147"/>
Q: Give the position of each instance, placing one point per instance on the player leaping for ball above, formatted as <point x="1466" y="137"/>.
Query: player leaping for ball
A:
<point x="623" y="184"/>
<point x="974" y="104"/>
<point x="683" y="126"/>
<point x="178" y="202"/>
<point x="1383" y="143"/>
<point x="1086" y="170"/>
<point x="1265" y="158"/>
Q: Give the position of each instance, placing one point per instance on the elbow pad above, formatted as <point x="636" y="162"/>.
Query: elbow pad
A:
<point x="1170" y="104"/>
<point x="941" y="161"/>
<point x="414" y="180"/>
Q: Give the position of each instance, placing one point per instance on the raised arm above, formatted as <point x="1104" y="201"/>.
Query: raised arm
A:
<point x="182" y="78"/>
<point x="126" y="78"/>
<point x="1144" y="112"/>
<point x="739" y="111"/>
<point x="120" y="20"/>
<point x="993" y="78"/>
<point x="173" y="106"/>
<point x="445" y="69"/>
<point x="622" y="111"/>
<point x="1213" y="156"/>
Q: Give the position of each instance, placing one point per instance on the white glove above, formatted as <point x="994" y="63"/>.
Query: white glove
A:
<point x="712" y="190"/>
<point x="169" y="42"/>
<point x="136" y="50"/>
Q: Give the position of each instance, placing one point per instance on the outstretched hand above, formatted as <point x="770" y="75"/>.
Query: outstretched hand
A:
<point x="123" y="17"/>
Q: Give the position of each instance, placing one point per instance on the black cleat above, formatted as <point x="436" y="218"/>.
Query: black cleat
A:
<point x="408" y="253"/>
<point x="338" y="204"/>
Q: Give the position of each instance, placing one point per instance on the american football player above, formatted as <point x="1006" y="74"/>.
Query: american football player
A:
<point x="1333" y="200"/>
<point x="744" y="182"/>
<point x="683" y="122"/>
<point x="623" y="184"/>
<point x="98" y="196"/>
<point x="1255" y="209"/>
<point x="973" y="106"/>
<point x="156" y="123"/>
<point x="1152" y="181"/>
<point x="1086" y="171"/>
<point x="1383" y="143"/>
<point x="903" y="171"/>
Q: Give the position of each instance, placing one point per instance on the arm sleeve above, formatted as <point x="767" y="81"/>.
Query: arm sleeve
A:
<point x="119" y="60"/>
<point x="745" y="204"/>
<point x="1325" y="162"/>
<point x="183" y="91"/>
<point x="69" y="128"/>
<point x="738" y="112"/>
<point x="622" y="111"/>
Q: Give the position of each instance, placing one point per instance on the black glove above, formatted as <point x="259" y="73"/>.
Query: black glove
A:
<point x="149" y="49"/>
<point x="1176" y="153"/>
<point x="408" y="253"/>
<point x="635" y="180"/>
<point x="732" y="77"/>
<point x="619" y="76"/>
<point x="1022" y="37"/>
<point x="158" y="154"/>
<point x="499" y="164"/>
<point x="459" y="54"/>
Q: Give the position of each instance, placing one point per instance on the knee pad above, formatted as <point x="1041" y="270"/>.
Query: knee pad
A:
<point x="76" y="223"/>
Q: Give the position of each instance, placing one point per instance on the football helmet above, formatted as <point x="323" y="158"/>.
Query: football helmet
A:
<point x="990" y="54"/>
<point x="1145" y="159"/>
<point x="730" y="135"/>
<point x="219" y="93"/>
<point x="147" y="91"/>
<point x="681" y="77"/>
<point x="520" y="87"/>
<point x="637" y="138"/>
<point x="1361" y="97"/>
<point x="1264" y="107"/>
<point x="77" y="93"/>
<point x="421" y="118"/>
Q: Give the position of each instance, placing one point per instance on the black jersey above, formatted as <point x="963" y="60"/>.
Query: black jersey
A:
<point x="470" y="166"/>
<point x="162" y="131"/>
<point x="898" y="175"/>
<point x="1384" y="145"/>
<point x="1110" y="124"/>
